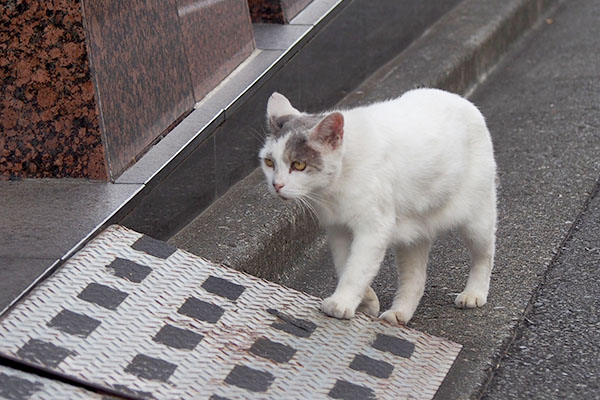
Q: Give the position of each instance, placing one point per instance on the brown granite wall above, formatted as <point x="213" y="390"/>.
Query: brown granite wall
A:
<point x="88" y="85"/>
<point x="48" y="118"/>
<point x="275" y="11"/>
<point x="217" y="38"/>
<point x="140" y="72"/>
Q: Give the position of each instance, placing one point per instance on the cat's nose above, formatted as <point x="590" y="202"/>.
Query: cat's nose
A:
<point x="277" y="186"/>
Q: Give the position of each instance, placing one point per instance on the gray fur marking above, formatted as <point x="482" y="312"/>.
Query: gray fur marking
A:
<point x="291" y="123"/>
<point x="298" y="149"/>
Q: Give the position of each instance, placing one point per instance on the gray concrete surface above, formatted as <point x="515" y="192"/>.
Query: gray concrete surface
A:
<point x="244" y="229"/>
<point x="541" y="107"/>
<point x="557" y="347"/>
<point x="541" y="103"/>
<point x="457" y="52"/>
<point x="43" y="220"/>
<point x="556" y="351"/>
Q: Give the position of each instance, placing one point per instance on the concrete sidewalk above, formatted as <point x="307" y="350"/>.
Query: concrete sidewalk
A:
<point x="541" y="107"/>
<point x="555" y="352"/>
<point x="557" y="341"/>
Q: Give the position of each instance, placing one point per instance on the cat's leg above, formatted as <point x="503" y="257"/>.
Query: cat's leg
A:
<point x="366" y="253"/>
<point x="479" y="236"/>
<point x="412" y="271"/>
<point x="340" y="240"/>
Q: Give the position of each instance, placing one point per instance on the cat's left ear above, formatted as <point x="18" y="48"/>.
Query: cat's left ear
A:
<point x="330" y="131"/>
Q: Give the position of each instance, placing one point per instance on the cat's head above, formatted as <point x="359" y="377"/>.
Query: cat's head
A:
<point x="302" y="154"/>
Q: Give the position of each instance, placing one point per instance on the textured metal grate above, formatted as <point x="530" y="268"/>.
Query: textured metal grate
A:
<point x="18" y="385"/>
<point x="137" y="315"/>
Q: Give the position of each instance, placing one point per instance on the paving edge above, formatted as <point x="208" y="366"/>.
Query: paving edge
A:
<point x="458" y="51"/>
<point x="251" y="231"/>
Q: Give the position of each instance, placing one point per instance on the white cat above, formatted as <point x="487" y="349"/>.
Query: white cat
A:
<point x="391" y="174"/>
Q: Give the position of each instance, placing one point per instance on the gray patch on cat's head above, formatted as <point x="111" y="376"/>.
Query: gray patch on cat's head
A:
<point x="280" y="126"/>
<point x="297" y="148"/>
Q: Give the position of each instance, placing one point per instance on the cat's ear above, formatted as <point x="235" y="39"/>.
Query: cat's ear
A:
<point x="279" y="106"/>
<point x="330" y="131"/>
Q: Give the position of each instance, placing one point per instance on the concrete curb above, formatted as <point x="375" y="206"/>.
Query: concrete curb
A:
<point x="249" y="230"/>
<point x="457" y="52"/>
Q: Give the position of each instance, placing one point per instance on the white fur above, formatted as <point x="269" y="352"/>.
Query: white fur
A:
<point x="406" y="170"/>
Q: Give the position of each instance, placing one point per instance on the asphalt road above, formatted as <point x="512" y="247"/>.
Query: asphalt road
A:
<point x="556" y="354"/>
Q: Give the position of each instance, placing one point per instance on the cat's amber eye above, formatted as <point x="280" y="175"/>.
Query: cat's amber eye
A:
<point x="269" y="163"/>
<point x="299" y="165"/>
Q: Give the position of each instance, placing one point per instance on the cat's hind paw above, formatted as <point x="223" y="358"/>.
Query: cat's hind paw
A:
<point x="470" y="300"/>
<point x="336" y="308"/>
<point x="395" y="317"/>
<point x="370" y="303"/>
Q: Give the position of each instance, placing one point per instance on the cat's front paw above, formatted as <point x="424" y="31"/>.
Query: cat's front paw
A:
<point x="470" y="300"/>
<point x="396" y="317"/>
<point x="338" y="308"/>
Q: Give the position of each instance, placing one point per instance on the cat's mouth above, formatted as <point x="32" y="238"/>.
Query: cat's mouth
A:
<point x="278" y="194"/>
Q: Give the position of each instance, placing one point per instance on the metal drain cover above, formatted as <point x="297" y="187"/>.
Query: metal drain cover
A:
<point x="136" y="315"/>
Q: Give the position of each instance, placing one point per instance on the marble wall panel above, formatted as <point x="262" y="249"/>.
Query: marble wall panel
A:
<point x="49" y="123"/>
<point x="140" y="71"/>
<point x="217" y="37"/>
<point x="275" y="11"/>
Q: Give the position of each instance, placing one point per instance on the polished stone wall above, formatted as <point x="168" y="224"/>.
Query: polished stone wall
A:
<point x="275" y="11"/>
<point x="49" y="125"/>
<point x="140" y="72"/>
<point x="88" y="85"/>
<point x="217" y="37"/>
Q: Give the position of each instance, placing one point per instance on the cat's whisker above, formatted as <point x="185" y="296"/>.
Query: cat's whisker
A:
<point x="317" y="200"/>
<point x="262" y="134"/>
<point x="308" y="205"/>
<point x="315" y="196"/>
<point x="264" y="131"/>
<point x="257" y="135"/>
<point x="303" y="206"/>
<point x="302" y="202"/>
<point x="311" y="210"/>
<point x="314" y="209"/>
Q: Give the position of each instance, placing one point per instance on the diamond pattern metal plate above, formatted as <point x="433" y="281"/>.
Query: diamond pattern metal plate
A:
<point x="17" y="385"/>
<point x="136" y="315"/>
